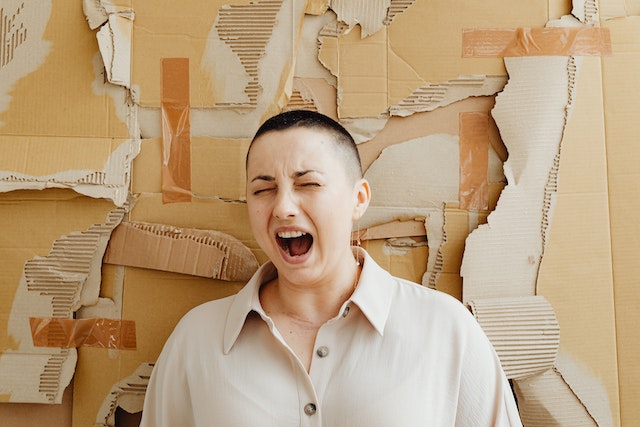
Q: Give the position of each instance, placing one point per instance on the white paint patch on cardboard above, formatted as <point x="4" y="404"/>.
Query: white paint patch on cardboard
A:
<point x="502" y="257"/>
<point x="22" y="38"/>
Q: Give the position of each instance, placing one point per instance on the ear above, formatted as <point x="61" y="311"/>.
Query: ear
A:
<point x="363" y="197"/>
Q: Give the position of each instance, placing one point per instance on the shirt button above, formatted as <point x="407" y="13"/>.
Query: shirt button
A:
<point x="322" y="351"/>
<point x="346" y="311"/>
<point x="310" y="409"/>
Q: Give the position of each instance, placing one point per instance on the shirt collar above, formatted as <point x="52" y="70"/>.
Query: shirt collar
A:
<point x="373" y="296"/>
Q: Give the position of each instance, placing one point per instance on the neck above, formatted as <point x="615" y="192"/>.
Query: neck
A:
<point x="313" y="304"/>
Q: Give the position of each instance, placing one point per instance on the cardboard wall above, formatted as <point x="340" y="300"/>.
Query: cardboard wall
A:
<point x="541" y="215"/>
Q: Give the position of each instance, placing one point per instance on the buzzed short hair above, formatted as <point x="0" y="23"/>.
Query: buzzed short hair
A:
<point x="343" y="140"/>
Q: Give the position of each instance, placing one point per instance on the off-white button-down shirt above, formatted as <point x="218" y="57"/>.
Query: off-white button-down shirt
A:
<point x="397" y="355"/>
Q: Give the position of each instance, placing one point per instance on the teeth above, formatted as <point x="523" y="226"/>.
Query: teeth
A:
<point x="290" y="234"/>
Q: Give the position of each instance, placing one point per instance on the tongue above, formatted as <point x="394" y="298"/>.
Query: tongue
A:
<point x="300" y="245"/>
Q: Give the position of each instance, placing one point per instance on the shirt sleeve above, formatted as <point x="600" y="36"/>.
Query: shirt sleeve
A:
<point x="168" y="400"/>
<point x="486" y="398"/>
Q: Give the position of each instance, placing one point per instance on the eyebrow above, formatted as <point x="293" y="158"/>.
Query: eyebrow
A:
<point x="269" y="178"/>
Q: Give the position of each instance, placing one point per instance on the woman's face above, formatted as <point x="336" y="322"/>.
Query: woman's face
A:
<point x="301" y="203"/>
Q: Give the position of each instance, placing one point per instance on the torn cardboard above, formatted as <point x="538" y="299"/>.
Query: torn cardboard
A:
<point x="53" y="286"/>
<point x="128" y="394"/>
<point x="531" y="118"/>
<point x="524" y="332"/>
<point x="93" y="143"/>
<point x="205" y="253"/>
<point x="398" y="68"/>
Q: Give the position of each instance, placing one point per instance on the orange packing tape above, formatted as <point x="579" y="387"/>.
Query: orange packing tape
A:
<point x="474" y="161"/>
<point x="498" y="43"/>
<point x="70" y="333"/>
<point x="176" y="131"/>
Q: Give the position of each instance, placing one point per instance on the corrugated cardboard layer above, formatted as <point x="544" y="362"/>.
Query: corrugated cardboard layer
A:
<point x="524" y="332"/>
<point x="47" y="106"/>
<point x="127" y="394"/>
<point x="206" y="253"/>
<point x="432" y="96"/>
<point x="53" y="285"/>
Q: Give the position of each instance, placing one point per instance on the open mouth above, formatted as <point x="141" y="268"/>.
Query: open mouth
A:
<point x="294" y="243"/>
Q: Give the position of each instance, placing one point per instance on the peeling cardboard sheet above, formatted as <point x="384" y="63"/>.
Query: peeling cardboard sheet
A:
<point x="127" y="394"/>
<point x="531" y="113"/>
<point x="369" y="14"/>
<point x="524" y="332"/>
<point x="400" y="75"/>
<point x="490" y="43"/>
<point x="114" y="40"/>
<point x="432" y="96"/>
<point x="53" y="286"/>
<point x="204" y="253"/>
<point x="233" y="66"/>
<point x="90" y="153"/>
<point x="73" y="333"/>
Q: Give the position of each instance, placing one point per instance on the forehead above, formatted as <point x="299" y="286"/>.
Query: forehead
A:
<point x="294" y="147"/>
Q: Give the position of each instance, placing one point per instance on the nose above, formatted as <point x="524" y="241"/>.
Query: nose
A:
<point x="285" y="205"/>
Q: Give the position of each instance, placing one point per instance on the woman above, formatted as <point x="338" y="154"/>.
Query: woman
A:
<point x="321" y="335"/>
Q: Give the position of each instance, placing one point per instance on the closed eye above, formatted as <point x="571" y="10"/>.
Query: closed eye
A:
<point x="261" y="190"/>
<point x="309" y="184"/>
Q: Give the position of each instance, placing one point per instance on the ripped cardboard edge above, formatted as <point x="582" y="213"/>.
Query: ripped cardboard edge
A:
<point x="543" y="101"/>
<point x="205" y="253"/>
<point x="431" y="96"/>
<point x="51" y="286"/>
<point x="564" y="395"/>
<point x="111" y="182"/>
<point x="127" y="394"/>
